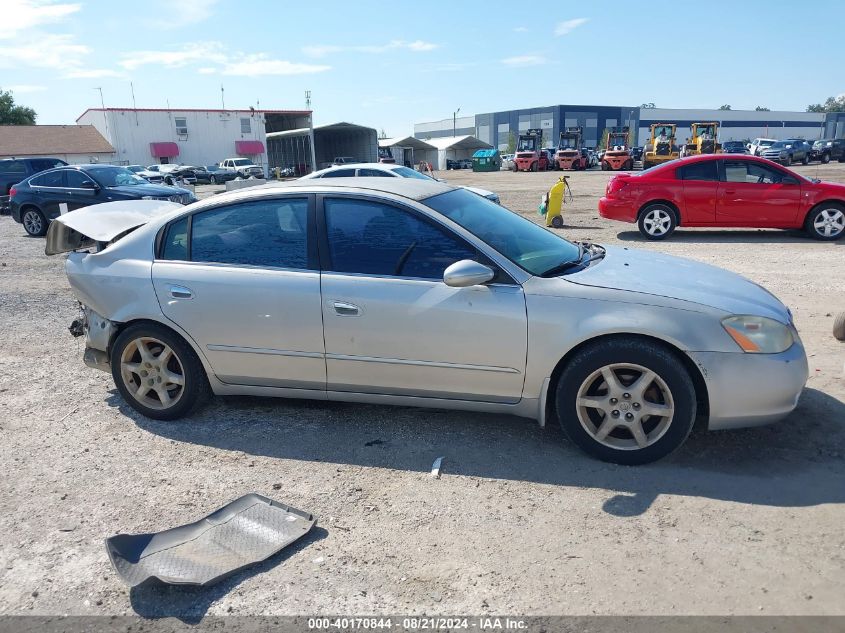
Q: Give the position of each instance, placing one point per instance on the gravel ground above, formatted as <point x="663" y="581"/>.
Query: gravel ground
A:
<point x="742" y="522"/>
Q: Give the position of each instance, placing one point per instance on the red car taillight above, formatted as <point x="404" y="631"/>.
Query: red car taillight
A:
<point x="616" y="185"/>
<point x="12" y="192"/>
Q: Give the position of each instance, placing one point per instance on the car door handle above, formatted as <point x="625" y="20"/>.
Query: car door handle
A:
<point x="181" y="292"/>
<point x="346" y="309"/>
<point x="730" y="191"/>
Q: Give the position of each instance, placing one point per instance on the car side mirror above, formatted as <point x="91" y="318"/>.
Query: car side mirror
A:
<point x="467" y="273"/>
<point x="90" y="184"/>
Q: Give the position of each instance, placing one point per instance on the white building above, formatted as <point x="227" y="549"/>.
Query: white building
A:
<point x="143" y="136"/>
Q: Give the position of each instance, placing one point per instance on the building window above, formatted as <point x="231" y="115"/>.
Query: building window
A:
<point x="181" y="125"/>
<point x="246" y="128"/>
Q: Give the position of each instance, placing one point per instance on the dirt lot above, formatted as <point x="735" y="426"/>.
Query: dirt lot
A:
<point x="743" y="522"/>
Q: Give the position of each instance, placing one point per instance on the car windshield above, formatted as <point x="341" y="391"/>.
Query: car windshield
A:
<point x="526" y="244"/>
<point x="109" y="176"/>
<point x="407" y="172"/>
<point x="240" y="162"/>
<point x="765" y="143"/>
<point x="781" y="144"/>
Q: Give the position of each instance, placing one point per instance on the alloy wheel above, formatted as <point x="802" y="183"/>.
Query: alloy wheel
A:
<point x="657" y="222"/>
<point x="152" y="373"/>
<point x="625" y="406"/>
<point x="829" y="222"/>
<point x="33" y="223"/>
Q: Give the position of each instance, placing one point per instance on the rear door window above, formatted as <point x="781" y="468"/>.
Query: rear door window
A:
<point x="374" y="173"/>
<point x="13" y="167"/>
<point x="270" y="233"/>
<point x="50" y="179"/>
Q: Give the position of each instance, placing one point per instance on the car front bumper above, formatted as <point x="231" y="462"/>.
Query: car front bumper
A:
<point x="752" y="389"/>
<point x="617" y="210"/>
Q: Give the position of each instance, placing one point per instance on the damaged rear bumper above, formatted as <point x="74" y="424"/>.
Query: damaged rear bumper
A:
<point x="98" y="332"/>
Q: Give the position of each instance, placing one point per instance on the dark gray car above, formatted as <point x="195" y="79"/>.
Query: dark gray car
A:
<point x="789" y="151"/>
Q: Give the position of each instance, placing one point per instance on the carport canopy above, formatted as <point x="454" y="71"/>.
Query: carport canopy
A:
<point x="406" y="141"/>
<point x="456" y="147"/>
<point x="409" y="150"/>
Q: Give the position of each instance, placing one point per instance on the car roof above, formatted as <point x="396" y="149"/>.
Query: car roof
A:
<point x="381" y="166"/>
<point x="411" y="188"/>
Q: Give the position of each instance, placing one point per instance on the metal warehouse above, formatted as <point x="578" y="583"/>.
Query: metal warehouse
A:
<point x="498" y="128"/>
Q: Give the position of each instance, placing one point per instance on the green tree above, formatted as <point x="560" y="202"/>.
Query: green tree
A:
<point x="603" y="140"/>
<point x="762" y="109"/>
<point x="832" y="104"/>
<point x="511" y="143"/>
<point x="725" y="107"/>
<point x="648" y="106"/>
<point x="11" y="114"/>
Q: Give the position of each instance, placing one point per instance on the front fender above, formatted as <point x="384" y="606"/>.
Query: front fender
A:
<point x="558" y="324"/>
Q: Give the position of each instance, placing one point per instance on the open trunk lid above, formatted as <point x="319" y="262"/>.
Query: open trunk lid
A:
<point x="102" y="223"/>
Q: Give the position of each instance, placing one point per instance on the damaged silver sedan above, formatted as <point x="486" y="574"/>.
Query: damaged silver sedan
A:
<point x="402" y="291"/>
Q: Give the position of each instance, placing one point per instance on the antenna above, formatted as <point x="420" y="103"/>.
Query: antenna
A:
<point x="307" y="99"/>
<point x="134" y="105"/>
<point x="105" y="119"/>
<point x="222" y="97"/>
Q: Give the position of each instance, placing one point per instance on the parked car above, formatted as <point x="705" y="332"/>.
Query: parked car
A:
<point x="759" y="144"/>
<point x="637" y="153"/>
<point x="42" y="198"/>
<point x="145" y="173"/>
<point x="423" y="294"/>
<point x="242" y="167"/>
<point x="345" y="160"/>
<point x="453" y="163"/>
<point x="366" y="170"/>
<point x="507" y="162"/>
<point x="724" y="190"/>
<point x="15" y="170"/>
<point x="734" y="147"/>
<point x="594" y="158"/>
<point x="465" y="163"/>
<point x="217" y="175"/>
<point x="181" y="173"/>
<point x="828" y="149"/>
<point x="788" y="151"/>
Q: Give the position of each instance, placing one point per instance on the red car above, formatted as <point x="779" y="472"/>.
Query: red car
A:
<point x="724" y="190"/>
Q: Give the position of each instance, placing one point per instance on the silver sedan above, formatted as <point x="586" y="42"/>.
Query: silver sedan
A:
<point x="413" y="292"/>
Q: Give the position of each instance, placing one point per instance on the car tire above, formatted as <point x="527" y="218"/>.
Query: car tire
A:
<point x="535" y="166"/>
<point x="629" y="165"/>
<point x="657" y="221"/>
<point x="805" y="160"/>
<point x="826" y="221"/>
<point x="34" y="222"/>
<point x="788" y="161"/>
<point x="605" y="166"/>
<point x="839" y="327"/>
<point x="213" y="180"/>
<point x="557" y="222"/>
<point x="626" y="401"/>
<point x="133" y="369"/>
<point x="826" y="159"/>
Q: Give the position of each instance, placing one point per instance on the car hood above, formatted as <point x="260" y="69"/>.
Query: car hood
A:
<point x="653" y="273"/>
<point x="148" y="190"/>
<point x="102" y="223"/>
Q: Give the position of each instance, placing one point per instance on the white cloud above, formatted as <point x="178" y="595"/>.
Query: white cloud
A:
<point x="207" y="70"/>
<point x="524" y="60"/>
<point x="60" y="52"/>
<point x="567" y="26"/>
<point x="258" y="65"/>
<point x="176" y="15"/>
<point x="24" y="88"/>
<point x="521" y="29"/>
<point x="190" y="53"/>
<point x="93" y="73"/>
<point x="417" y="46"/>
<point x="20" y="15"/>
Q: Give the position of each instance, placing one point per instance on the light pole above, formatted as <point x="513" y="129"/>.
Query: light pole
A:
<point x="454" y="121"/>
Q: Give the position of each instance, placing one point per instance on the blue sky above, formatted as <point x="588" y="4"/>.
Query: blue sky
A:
<point x="390" y="64"/>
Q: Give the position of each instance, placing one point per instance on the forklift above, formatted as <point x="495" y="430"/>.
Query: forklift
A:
<point x="570" y="154"/>
<point x="661" y="146"/>
<point x="529" y="154"/>
<point x="617" y="150"/>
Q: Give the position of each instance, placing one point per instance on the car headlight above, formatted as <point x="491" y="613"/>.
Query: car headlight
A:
<point x="759" y="335"/>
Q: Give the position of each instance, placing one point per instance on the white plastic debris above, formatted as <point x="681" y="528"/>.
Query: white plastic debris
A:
<point x="435" y="467"/>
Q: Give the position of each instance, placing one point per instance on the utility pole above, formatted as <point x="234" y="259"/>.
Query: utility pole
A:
<point x="222" y="97"/>
<point x="307" y="99"/>
<point x="454" y="121"/>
